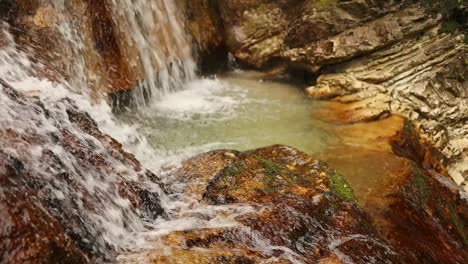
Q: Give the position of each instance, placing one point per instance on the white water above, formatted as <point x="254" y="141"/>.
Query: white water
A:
<point x="111" y="210"/>
<point x="154" y="28"/>
<point x="120" y="227"/>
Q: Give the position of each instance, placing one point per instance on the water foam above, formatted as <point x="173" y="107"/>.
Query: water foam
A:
<point x="203" y="97"/>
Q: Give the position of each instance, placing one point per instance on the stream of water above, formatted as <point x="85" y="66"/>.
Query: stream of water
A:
<point x="186" y="116"/>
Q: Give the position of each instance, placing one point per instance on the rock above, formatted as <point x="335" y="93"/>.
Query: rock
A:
<point x="36" y="26"/>
<point x="301" y="211"/>
<point x="204" y="25"/>
<point x="29" y="234"/>
<point x="310" y="34"/>
<point x="100" y="37"/>
<point x="423" y="79"/>
<point x="430" y="201"/>
<point x="409" y="144"/>
<point x="439" y="209"/>
<point x="57" y="166"/>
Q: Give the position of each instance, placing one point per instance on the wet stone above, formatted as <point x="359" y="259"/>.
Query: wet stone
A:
<point x="303" y="208"/>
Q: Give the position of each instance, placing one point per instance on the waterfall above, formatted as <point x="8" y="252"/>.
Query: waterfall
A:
<point x="88" y="201"/>
<point x="51" y="120"/>
<point x="154" y="28"/>
<point x="149" y="37"/>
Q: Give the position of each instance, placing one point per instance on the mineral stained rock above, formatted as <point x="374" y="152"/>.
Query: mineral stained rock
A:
<point x="301" y="210"/>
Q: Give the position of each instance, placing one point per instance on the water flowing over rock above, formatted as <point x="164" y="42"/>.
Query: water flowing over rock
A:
<point x="117" y="45"/>
<point x="303" y="212"/>
<point x="71" y="193"/>
<point x="57" y="166"/>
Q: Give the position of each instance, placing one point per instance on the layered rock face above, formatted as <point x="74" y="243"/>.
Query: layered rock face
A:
<point x="381" y="57"/>
<point x="307" y="33"/>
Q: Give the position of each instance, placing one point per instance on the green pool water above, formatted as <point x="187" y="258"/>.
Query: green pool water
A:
<point x="233" y="111"/>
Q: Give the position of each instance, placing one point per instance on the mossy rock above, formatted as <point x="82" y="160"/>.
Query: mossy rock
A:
<point x="340" y="186"/>
<point x="298" y="203"/>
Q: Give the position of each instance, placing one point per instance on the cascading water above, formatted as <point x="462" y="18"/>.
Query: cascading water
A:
<point x="108" y="224"/>
<point x="45" y="125"/>
<point x="163" y="48"/>
<point x="85" y="192"/>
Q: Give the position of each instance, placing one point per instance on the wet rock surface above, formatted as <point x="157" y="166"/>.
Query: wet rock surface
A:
<point x="204" y="25"/>
<point x="38" y="27"/>
<point x="302" y="211"/>
<point x="430" y="217"/>
<point x="58" y="192"/>
<point x="29" y="233"/>
<point x="429" y="210"/>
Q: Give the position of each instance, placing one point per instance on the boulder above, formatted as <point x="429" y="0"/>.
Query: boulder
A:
<point x="430" y="216"/>
<point x="296" y="209"/>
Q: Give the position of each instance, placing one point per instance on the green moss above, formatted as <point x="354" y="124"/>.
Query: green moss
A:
<point x="232" y="170"/>
<point x="466" y="38"/>
<point x="341" y="187"/>
<point x="458" y="224"/>
<point x="271" y="168"/>
<point x="226" y="176"/>
<point x="420" y="185"/>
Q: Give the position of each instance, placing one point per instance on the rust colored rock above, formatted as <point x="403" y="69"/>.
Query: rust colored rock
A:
<point x="430" y="218"/>
<point x="302" y="207"/>
<point x="409" y="144"/>
<point x="29" y="233"/>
